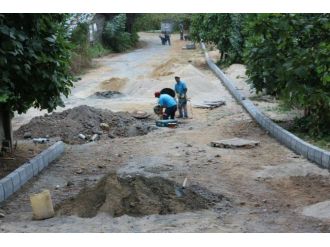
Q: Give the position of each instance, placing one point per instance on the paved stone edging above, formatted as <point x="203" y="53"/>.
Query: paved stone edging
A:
<point x="309" y="151"/>
<point x="16" y="179"/>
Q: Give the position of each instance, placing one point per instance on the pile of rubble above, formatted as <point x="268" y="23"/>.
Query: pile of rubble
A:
<point x="82" y="124"/>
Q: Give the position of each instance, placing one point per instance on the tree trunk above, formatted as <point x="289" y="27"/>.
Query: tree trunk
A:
<point x="6" y="133"/>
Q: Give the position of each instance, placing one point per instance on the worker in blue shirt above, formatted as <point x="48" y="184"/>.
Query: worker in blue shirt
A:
<point x="169" y="103"/>
<point x="181" y="91"/>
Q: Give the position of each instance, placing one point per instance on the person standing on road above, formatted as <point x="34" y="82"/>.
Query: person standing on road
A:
<point x="169" y="103"/>
<point x="181" y="91"/>
<point x="167" y="37"/>
<point x="181" y="31"/>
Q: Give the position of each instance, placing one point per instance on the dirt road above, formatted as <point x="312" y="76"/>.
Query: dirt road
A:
<point x="263" y="189"/>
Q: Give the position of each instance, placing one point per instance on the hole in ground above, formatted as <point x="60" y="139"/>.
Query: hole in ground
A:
<point x="137" y="196"/>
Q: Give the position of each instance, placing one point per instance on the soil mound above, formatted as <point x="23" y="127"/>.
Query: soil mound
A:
<point x="165" y="68"/>
<point x="114" y="84"/>
<point x="136" y="196"/>
<point x="84" y="120"/>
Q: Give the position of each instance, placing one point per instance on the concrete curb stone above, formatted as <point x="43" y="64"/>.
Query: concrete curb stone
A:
<point x="311" y="152"/>
<point x="16" y="179"/>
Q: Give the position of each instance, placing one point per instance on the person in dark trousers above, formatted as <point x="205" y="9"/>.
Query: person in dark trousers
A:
<point x="162" y="38"/>
<point x="181" y="31"/>
<point x="169" y="103"/>
<point x="181" y="91"/>
<point x="167" y="37"/>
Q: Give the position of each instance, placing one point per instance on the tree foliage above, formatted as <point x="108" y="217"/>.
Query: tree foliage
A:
<point x="288" y="55"/>
<point x="115" y="35"/>
<point x="148" y="22"/>
<point x="224" y="30"/>
<point x="34" y="61"/>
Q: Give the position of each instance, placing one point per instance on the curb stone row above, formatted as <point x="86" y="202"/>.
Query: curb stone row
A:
<point x="309" y="151"/>
<point x="16" y="179"/>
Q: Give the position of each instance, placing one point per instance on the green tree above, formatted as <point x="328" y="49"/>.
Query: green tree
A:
<point x="288" y="55"/>
<point x="115" y="35"/>
<point x="223" y="30"/>
<point x="34" y="61"/>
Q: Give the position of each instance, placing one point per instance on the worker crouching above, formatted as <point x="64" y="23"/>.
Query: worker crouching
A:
<point x="167" y="102"/>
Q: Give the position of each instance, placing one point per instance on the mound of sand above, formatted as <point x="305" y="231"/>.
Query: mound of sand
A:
<point x="85" y="120"/>
<point x="166" y="68"/>
<point x="113" y="84"/>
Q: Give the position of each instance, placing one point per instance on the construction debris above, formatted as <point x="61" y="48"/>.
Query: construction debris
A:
<point x="27" y="135"/>
<point x="140" y="114"/>
<point x="235" y="143"/>
<point x="94" y="137"/>
<point x="40" y="140"/>
<point x="210" y="104"/>
<point x="82" y="136"/>
<point x="85" y="120"/>
<point x="104" y="126"/>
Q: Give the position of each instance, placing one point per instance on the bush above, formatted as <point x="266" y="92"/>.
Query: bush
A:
<point x="83" y="51"/>
<point x="149" y="22"/>
<point x="115" y="37"/>
<point x="223" y="30"/>
<point x="288" y="56"/>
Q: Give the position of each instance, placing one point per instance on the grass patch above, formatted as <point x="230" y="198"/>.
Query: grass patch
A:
<point x="321" y="142"/>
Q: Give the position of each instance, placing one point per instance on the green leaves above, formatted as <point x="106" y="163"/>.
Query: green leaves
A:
<point x="288" y="55"/>
<point x="34" y="53"/>
<point x="223" y="30"/>
<point x="115" y="36"/>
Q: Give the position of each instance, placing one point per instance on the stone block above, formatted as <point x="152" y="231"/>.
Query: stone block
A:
<point x="2" y="193"/>
<point x="326" y="160"/>
<point x="7" y="186"/>
<point x="14" y="176"/>
<point x="22" y="175"/>
<point x="28" y="170"/>
<point x="318" y="156"/>
<point x="311" y="154"/>
<point x="35" y="167"/>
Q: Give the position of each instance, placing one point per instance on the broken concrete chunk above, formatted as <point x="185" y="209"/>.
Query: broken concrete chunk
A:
<point x="82" y="136"/>
<point x="94" y="137"/>
<point x="27" y="135"/>
<point x="104" y="126"/>
<point x="235" y="143"/>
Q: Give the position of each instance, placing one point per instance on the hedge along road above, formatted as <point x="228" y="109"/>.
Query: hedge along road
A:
<point x="265" y="189"/>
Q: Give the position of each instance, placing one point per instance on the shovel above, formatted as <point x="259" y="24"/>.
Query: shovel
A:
<point x="180" y="192"/>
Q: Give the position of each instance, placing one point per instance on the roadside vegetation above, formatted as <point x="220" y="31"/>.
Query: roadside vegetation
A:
<point x="115" y="38"/>
<point x="151" y="22"/>
<point x="286" y="56"/>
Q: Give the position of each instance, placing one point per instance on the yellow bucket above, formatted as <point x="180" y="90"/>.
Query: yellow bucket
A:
<point x="42" y="206"/>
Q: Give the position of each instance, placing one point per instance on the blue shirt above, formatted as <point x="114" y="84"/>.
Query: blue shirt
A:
<point x="180" y="88"/>
<point x="166" y="100"/>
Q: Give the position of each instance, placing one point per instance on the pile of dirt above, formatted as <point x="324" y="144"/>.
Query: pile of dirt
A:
<point x="165" y="68"/>
<point x="136" y="196"/>
<point x="84" y="120"/>
<point x="114" y="84"/>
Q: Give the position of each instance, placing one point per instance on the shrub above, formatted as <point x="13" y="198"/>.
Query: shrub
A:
<point x="288" y="55"/>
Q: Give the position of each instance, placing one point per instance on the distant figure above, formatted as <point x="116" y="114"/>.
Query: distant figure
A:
<point x="181" y="31"/>
<point x="167" y="37"/>
<point x="162" y="38"/>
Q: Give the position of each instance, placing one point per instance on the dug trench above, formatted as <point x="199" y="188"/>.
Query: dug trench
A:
<point x="138" y="196"/>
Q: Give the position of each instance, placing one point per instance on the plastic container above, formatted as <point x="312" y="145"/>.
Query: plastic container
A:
<point x="42" y="205"/>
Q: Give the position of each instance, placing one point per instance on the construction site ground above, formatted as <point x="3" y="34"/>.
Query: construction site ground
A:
<point x="267" y="188"/>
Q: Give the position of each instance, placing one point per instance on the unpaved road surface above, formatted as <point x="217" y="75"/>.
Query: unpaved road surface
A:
<point x="263" y="189"/>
